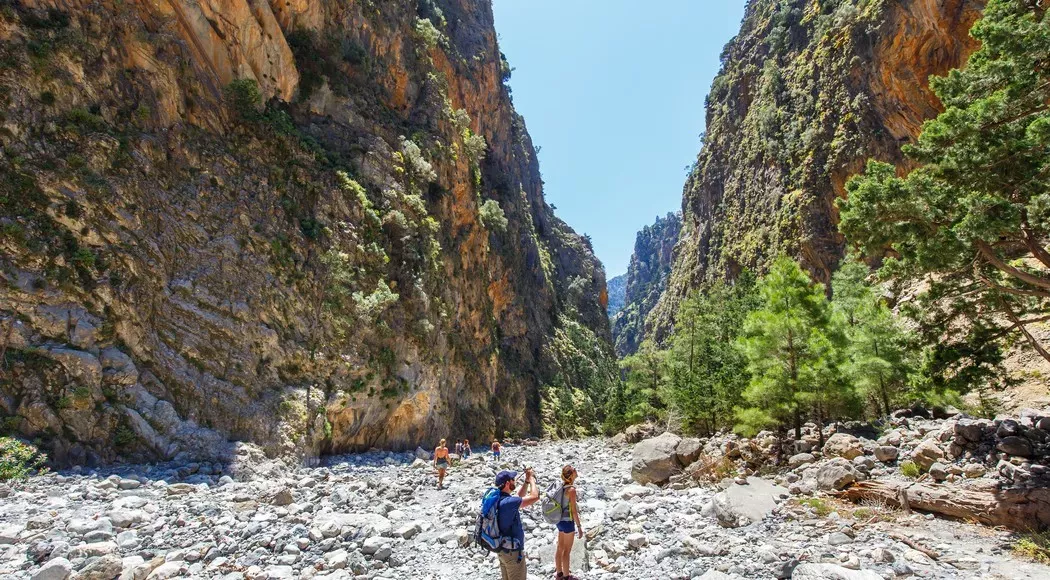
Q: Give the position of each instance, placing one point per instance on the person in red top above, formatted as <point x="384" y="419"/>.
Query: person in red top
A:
<point x="496" y="450"/>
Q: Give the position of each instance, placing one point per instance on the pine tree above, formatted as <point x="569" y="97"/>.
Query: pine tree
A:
<point x="877" y="361"/>
<point x="707" y="372"/>
<point x="645" y="381"/>
<point x="973" y="220"/>
<point x="792" y="352"/>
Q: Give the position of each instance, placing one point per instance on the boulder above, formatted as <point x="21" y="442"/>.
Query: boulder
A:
<point x="843" y="445"/>
<point x="578" y="559"/>
<point x="740" y="505"/>
<point x="656" y="459"/>
<point x="926" y="454"/>
<point x="886" y="453"/>
<point x="689" y="450"/>
<point x="969" y="430"/>
<point x="1008" y="428"/>
<point x="939" y="471"/>
<point x="836" y="474"/>
<point x="801" y="459"/>
<point x="106" y="567"/>
<point x="56" y="569"/>
<point x="1014" y="445"/>
<point x="831" y="572"/>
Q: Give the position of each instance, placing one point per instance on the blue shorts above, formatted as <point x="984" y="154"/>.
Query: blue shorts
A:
<point x="495" y="456"/>
<point x="568" y="527"/>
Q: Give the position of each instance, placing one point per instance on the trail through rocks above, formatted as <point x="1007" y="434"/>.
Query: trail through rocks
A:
<point x="379" y="516"/>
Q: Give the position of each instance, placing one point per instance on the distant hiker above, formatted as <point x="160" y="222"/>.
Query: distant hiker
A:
<point x="441" y="462"/>
<point x="459" y="447"/>
<point x="512" y="563"/>
<point x="466" y="448"/>
<point x="497" y="449"/>
<point x="568" y="523"/>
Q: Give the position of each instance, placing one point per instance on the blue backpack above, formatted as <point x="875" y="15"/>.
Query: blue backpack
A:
<point x="487" y="534"/>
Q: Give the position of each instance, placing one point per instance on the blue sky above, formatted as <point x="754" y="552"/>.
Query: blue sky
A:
<point x="613" y="92"/>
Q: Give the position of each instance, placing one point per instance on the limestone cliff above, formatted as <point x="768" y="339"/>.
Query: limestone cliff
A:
<point x="647" y="276"/>
<point x="808" y="91"/>
<point x="315" y="226"/>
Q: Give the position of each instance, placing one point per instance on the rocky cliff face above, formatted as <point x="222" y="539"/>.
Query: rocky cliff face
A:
<point x="647" y="277"/>
<point x="617" y="293"/>
<point x="316" y="226"/>
<point x="808" y="91"/>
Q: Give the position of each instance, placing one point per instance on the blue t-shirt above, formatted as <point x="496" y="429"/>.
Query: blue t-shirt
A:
<point x="510" y="517"/>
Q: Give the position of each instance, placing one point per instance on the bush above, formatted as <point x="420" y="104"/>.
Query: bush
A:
<point x="1034" y="547"/>
<point x="428" y="33"/>
<point x="474" y="145"/>
<point x="415" y="162"/>
<point x="492" y="216"/>
<point x="19" y="460"/>
<point x="245" y="99"/>
<point x="910" y="469"/>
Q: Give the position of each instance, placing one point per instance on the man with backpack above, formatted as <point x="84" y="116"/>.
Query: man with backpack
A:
<point x="510" y="543"/>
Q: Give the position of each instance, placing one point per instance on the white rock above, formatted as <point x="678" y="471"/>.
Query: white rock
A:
<point x="55" y="569"/>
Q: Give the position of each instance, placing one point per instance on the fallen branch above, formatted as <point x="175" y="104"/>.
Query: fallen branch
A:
<point x="1019" y="509"/>
<point x="916" y="546"/>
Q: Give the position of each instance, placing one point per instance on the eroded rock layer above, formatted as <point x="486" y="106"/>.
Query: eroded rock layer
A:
<point x="315" y="226"/>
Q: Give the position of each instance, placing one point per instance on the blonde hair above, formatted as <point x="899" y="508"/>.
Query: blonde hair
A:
<point x="568" y="473"/>
<point x="442" y="442"/>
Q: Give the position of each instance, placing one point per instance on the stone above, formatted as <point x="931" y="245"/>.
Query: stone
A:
<point x="620" y="511"/>
<point x="785" y="569"/>
<point x="1013" y="445"/>
<point x="801" y="459"/>
<point x="882" y="556"/>
<point x="122" y="518"/>
<point x="836" y="475"/>
<point x="689" y="450"/>
<point x="886" y="453"/>
<point x="9" y="535"/>
<point x="831" y="572"/>
<point x="1008" y="428"/>
<point x="372" y="545"/>
<point x="974" y="470"/>
<point x="926" y="454"/>
<point x="655" y="460"/>
<point x="55" y="569"/>
<point x="839" y="539"/>
<point x="336" y="560"/>
<point x="741" y="505"/>
<point x="843" y="445"/>
<point x="105" y="567"/>
<point x="714" y="575"/>
<point x="283" y="497"/>
<point x="637" y="540"/>
<point x="969" y="430"/>
<point x="939" y="471"/>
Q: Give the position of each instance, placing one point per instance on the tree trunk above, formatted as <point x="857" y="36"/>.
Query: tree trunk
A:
<point x="1019" y="509"/>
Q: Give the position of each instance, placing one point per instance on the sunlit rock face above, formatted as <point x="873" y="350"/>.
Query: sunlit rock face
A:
<point x="807" y="93"/>
<point x="365" y="260"/>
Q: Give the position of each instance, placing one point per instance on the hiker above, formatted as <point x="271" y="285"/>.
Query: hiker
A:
<point x="512" y="564"/>
<point x="569" y="527"/>
<point x="441" y="462"/>
<point x="458" y="455"/>
<point x="496" y="449"/>
<point x="466" y="448"/>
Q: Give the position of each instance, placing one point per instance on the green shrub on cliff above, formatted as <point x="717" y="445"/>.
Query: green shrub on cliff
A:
<point x="245" y="99"/>
<point x="492" y="216"/>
